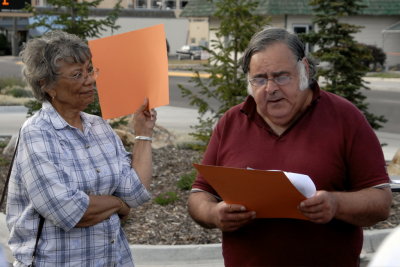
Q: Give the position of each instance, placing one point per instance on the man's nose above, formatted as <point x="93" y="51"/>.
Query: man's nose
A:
<point x="271" y="86"/>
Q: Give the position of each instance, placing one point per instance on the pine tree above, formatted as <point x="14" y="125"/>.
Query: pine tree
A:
<point x="226" y="83"/>
<point x="74" y="17"/>
<point x="335" y="45"/>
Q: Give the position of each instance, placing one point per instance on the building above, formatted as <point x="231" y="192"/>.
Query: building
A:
<point x="380" y="19"/>
<point x="135" y="14"/>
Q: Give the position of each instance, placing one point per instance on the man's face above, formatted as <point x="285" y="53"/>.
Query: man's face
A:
<point x="279" y="105"/>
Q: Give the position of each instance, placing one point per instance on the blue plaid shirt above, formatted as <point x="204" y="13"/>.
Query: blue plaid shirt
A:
<point x="57" y="166"/>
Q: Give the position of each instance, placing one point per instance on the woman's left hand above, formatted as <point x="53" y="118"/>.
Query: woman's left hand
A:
<point x="144" y="120"/>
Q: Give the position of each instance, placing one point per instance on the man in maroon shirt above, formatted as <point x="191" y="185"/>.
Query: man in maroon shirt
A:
<point x="287" y="123"/>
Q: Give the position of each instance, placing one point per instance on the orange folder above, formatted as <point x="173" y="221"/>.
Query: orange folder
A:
<point x="269" y="193"/>
<point x="133" y="65"/>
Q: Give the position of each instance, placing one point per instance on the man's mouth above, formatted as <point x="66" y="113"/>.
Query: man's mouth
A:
<point x="274" y="99"/>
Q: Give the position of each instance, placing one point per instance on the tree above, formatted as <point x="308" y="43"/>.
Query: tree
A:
<point x="226" y="83"/>
<point x="377" y="60"/>
<point x="73" y="17"/>
<point x="336" y="46"/>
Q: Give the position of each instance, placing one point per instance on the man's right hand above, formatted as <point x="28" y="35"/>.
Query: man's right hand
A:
<point x="208" y="212"/>
<point x="230" y="217"/>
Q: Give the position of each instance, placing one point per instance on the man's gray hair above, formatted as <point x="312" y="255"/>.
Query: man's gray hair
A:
<point x="268" y="36"/>
<point x="41" y="58"/>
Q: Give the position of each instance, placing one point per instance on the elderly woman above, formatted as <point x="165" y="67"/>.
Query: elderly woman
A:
<point x="71" y="168"/>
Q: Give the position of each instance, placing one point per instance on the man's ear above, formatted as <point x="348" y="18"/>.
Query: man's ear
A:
<point x="306" y="65"/>
<point x="303" y="75"/>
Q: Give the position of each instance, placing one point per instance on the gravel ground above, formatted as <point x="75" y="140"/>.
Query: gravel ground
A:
<point x="170" y="224"/>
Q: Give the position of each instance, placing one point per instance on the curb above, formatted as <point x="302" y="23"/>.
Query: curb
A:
<point x="210" y="255"/>
<point x="175" y="255"/>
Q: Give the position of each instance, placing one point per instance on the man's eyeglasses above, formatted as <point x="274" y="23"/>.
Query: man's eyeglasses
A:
<point x="261" y="82"/>
<point x="81" y="77"/>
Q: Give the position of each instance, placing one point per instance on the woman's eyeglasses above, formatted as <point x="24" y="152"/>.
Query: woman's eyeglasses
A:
<point x="81" y="77"/>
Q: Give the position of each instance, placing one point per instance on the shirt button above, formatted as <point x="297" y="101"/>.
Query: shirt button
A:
<point x="87" y="146"/>
<point x="98" y="170"/>
<point x="113" y="241"/>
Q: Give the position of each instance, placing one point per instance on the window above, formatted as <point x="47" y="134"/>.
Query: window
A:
<point x="302" y="28"/>
<point x="183" y="3"/>
<point x="170" y="4"/>
<point x="141" y="4"/>
<point x="156" y="4"/>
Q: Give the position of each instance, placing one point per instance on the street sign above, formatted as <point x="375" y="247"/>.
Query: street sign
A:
<point x="12" y="4"/>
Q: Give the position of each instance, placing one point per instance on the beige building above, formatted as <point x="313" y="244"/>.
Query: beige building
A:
<point x="380" y="21"/>
<point x="176" y="5"/>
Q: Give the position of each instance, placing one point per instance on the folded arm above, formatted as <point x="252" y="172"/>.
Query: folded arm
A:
<point x="101" y="208"/>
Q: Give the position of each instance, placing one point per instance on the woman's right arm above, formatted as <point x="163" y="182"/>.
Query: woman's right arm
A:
<point x="101" y="208"/>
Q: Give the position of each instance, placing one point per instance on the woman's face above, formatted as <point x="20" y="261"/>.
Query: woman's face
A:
<point x="74" y="88"/>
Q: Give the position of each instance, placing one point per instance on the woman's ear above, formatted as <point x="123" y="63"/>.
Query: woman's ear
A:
<point x="50" y="92"/>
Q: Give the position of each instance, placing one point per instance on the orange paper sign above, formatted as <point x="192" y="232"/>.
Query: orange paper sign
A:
<point x="133" y="66"/>
<point x="269" y="193"/>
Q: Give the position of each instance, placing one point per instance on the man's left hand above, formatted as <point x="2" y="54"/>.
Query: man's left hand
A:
<point x="320" y="208"/>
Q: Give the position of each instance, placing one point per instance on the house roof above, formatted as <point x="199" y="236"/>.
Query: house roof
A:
<point x="206" y="8"/>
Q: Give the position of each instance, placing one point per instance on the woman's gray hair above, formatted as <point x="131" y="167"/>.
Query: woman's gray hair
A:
<point x="268" y="36"/>
<point x="41" y="58"/>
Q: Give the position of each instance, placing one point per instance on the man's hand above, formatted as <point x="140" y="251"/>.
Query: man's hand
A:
<point x="230" y="217"/>
<point x="320" y="208"/>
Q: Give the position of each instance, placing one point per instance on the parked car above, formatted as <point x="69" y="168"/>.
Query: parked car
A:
<point x="189" y="51"/>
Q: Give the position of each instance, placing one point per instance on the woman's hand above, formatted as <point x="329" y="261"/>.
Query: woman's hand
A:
<point x="144" y="120"/>
<point x="124" y="210"/>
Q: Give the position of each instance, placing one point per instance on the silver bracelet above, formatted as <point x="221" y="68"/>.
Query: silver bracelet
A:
<point x="144" y="138"/>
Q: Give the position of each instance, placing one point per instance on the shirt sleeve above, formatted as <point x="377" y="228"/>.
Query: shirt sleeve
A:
<point x="365" y="159"/>
<point x="210" y="158"/>
<point x="47" y="184"/>
<point x="130" y="189"/>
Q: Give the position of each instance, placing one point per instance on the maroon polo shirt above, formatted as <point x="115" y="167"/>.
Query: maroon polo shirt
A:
<point x="331" y="142"/>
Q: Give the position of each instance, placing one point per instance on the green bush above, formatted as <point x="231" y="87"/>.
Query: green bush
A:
<point x="17" y="92"/>
<point x="166" y="198"/>
<point x="376" y="62"/>
<point x="185" y="182"/>
<point x="8" y="82"/>
<point x="3" y="144"/>
<point x="4" y="161"/>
